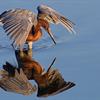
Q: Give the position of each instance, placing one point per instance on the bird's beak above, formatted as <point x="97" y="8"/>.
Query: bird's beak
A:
<point x="51" y="35"/>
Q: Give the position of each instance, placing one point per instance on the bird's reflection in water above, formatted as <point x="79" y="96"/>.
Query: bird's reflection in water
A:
<point x="49" y="82"/>
<point x="14" y="81"/>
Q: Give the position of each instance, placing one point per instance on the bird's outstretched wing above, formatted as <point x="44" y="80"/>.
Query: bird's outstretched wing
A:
<point x="56" y="84"/>
<point x="18" y="23"/>
<point x="53" y="16"/>
<point x="17" y="83"/>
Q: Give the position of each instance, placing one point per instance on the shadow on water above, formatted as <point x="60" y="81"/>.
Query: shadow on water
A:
<point x="16" y="79"/>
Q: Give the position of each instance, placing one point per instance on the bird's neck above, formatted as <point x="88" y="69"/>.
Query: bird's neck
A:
<point x="36" y="32"/>
<point x="43" y="23"/>
<point x="41" y="80"/>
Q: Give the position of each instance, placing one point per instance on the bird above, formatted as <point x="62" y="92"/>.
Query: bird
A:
<point x="49" y="82"/>
<point x="15" y="81"/>
<point x="24" y="26"/>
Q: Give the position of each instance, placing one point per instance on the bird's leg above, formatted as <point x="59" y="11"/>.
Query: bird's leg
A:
<point x="21" y="52"/>
<point x="29" y="53"/>
<point x="30" y="45"/>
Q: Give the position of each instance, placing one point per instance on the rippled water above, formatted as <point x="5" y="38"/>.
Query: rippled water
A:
<point x="78" y="57"/>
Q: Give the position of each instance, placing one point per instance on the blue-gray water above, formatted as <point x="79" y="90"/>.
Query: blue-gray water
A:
<point x="78" y="58"/>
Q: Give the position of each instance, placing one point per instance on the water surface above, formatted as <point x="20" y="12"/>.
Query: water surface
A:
<point x="78" y="57"/>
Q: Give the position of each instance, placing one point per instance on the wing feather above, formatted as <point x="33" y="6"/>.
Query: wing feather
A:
<point x="15" y="20"/>
<point x="11" y="28"/>
<point x="17" y="83"/>
<point x="53" y="16"/>
<point x="16" y="30"/>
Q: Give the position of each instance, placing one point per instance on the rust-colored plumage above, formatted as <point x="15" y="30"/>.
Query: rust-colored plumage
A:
<point x="23" y="26"/>
<point x="29" y="66"/>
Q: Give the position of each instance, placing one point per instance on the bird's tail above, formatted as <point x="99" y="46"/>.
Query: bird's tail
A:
<point x="9" y="68"/>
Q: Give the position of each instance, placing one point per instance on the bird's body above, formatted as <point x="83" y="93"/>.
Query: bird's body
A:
<point x="36" y="32"/>
<point x="34" y="37"/>
<point x="23" y="25"/>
